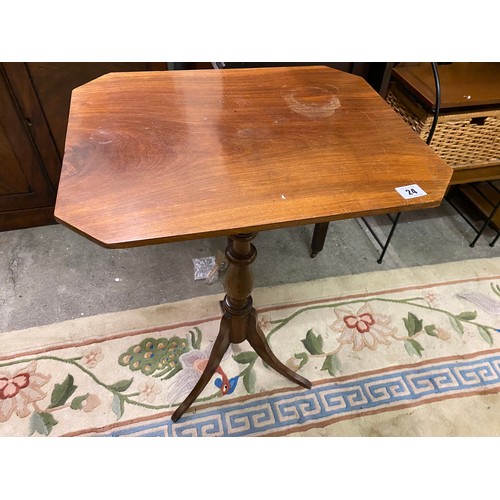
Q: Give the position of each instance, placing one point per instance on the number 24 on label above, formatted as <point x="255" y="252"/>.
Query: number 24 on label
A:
<point x="411" y="191"/>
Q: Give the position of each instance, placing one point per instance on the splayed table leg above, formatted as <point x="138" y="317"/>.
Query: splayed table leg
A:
<point x="239" y="321"/>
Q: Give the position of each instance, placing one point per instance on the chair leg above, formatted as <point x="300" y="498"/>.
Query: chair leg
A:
<point x="318" y="239"/>
<point x="389" y="238"/>
<point x="492" y="244"/>
<point x="483" y="227"/>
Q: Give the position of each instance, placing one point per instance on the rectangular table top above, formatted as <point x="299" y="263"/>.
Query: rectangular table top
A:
<point x="153" y="157"/>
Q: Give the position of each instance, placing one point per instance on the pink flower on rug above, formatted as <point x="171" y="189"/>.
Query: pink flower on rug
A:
<point x="264" y="323"/>
<point x="92" y="356"/>
<point x="293" y="363"/>
<point x="148" y="391"/>
<point x="19" y="390"/>
<point x="90" y="403"/>
<point x="432" y="298"/>
<point x="362" y="328"/>
<point x="442" y="333"/>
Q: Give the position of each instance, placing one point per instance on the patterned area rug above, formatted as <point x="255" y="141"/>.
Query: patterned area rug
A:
<point x="412" y="352"/>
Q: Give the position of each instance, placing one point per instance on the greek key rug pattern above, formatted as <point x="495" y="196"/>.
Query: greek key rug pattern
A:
<point x="328" y="402"/>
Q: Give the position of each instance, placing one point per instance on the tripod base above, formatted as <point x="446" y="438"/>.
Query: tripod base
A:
<point x="256" y="339"/>
<point x="239" y="321"/>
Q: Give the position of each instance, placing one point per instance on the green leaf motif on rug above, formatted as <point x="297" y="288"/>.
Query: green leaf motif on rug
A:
<point x="62" y="392"/>
<point x="431" y="330"/>
<point x="122" y="385"/>
<point x="413" y="324"/>
<point x="118" y="406"/>
<point x="331" y="364"/>
<point x="195" y="336"/>
<point x="76" y="404"/>
<point x="249" y="379"/>
<point x="413" y="348"/>
<point x="313" y="343"/>
<point x="457" y="325"/>
<point x="42" y="422"/>
<point x="467" y="316"/>
<point x="485" y="334"/>
<point x="245" y="357"/>
<point x="304" y="358"/>
<point x="248" y="374"/>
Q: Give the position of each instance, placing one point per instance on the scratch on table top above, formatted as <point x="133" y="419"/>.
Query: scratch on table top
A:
<point x="370" y="118"/>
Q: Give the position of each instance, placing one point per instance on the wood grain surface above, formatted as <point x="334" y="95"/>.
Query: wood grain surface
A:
<point x="463" y="85"/>
<point x="152" y="157"/>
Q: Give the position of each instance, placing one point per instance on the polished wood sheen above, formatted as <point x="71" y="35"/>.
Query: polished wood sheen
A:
<point x="153" y="157"/>
<point x="463" y="85"/>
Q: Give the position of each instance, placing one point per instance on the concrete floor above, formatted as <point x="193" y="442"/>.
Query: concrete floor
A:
<point x="50" y="274"/>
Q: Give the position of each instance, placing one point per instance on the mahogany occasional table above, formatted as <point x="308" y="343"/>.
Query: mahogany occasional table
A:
<point x="154" y="157"/>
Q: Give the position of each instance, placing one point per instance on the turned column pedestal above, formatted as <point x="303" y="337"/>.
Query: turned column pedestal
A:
<point x="239" y="321"/>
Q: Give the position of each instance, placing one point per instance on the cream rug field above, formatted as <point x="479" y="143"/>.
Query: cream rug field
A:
<point x="410" y="352"/>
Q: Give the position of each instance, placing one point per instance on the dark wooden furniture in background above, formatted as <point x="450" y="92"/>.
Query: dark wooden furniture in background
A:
<point x="26" y="191"/>
<point x="195" y="154"/>
<point x="34" y="106"/>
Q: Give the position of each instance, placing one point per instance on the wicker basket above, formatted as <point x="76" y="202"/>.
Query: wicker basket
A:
<point x="468" y="139"/>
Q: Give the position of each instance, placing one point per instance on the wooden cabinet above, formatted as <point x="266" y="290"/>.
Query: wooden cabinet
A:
<point x="34" y="106"/>
<point x="26" y="192"/>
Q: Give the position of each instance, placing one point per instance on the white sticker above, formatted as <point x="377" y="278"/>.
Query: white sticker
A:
<point x="411" y="191"/>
